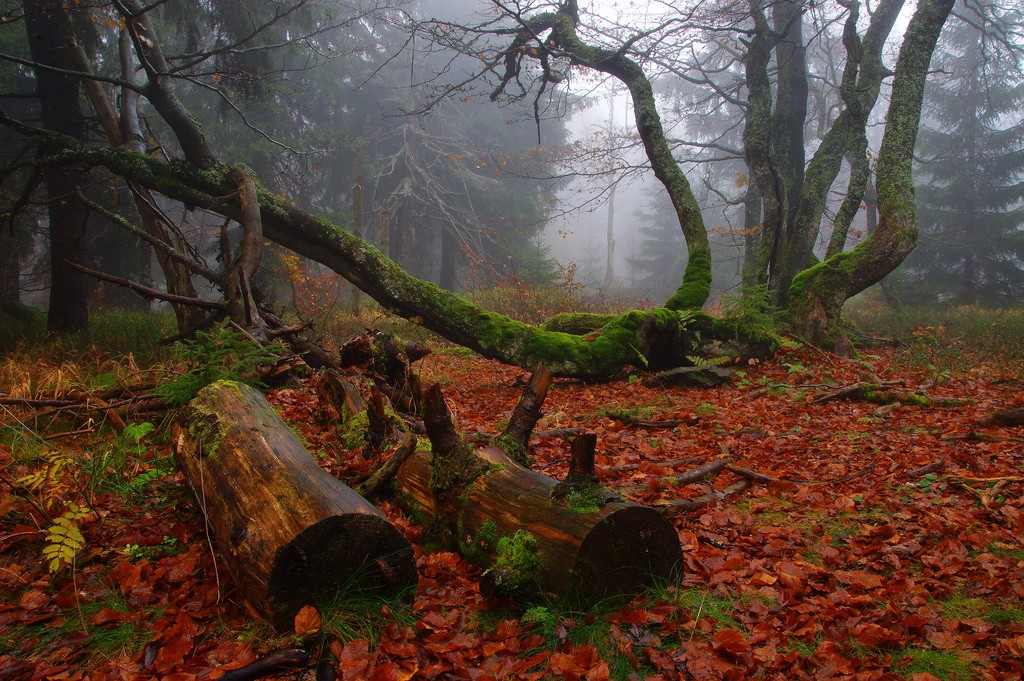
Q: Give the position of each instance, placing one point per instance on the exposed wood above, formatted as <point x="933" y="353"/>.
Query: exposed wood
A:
<point x="677" y="506"/>
<point x="618" y="548"/>
<point x="702" y="472"/>
<point x="338" y="399"/>
<point x="1009" y="417"/>
<point x="290" y="533"/>
<point x="384" y="474"/>
<point x="382" y="428"/>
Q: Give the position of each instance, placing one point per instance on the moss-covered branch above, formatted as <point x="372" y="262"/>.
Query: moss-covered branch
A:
<point x="656" y="338"/>
<point x="563" y="40"/>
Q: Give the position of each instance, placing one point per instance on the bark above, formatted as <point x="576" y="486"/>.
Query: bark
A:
<point x="532" y="539"/>
<point x="818" y="294"/>
<point x="696" y="285"/>
<point x="290" y="533"/>
<point x="60" y="112"/>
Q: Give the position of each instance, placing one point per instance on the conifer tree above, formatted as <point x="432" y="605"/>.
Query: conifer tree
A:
<point x="971" y="147"/>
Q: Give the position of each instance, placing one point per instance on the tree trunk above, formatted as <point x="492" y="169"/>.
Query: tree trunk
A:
<point x="291" y="533"/>
<point x="60" y="112"/>
<point x="534" y="535"/>
<point x="818" y="294"/>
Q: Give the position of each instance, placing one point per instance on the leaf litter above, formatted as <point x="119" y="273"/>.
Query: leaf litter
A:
<point x="848" y="564"/>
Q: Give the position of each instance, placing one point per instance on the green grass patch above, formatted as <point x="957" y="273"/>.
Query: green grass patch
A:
<point x="963" y="607"/>
<point x="948" y="666"/>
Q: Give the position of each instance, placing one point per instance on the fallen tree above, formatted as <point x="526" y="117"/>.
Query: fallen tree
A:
<point x="570" y="540"/>
<point x="656" y="339"/>
<point x="291" y="533"/>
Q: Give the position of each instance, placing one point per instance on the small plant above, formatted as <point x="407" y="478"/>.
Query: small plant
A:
<point x="168" y="547"/>
<point x="221" y="354"/>
<point x="63" y="538"/>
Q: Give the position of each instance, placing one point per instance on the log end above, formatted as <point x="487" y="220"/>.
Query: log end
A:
<point x="345" y="555"/>
<point x="630" y="550"/>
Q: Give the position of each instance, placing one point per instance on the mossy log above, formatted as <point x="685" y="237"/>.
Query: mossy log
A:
<point x="290" y="533"/>
<point x="582" y="550"/>
<point x="534" y="535"/>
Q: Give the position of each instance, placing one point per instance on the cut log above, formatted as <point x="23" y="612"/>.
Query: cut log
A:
<point x="584" y="550"/>
<point x="290" y="533"/>
<point x="584" y="545"/>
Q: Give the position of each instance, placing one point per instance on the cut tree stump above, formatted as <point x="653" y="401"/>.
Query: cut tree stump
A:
<point x="291" y="533"/>
<point x="534" y="535"/>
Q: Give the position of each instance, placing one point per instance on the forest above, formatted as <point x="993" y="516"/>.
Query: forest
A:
<point x="511" y="340"/>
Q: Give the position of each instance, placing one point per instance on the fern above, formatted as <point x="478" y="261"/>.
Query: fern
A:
<point x="698" y="361"/>
<point x="49" y="480"/>
<point x="63" y="538"/>
<point x="221" y="354"/>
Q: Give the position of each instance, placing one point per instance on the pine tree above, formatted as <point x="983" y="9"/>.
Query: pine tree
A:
<point x="971" y="203"/>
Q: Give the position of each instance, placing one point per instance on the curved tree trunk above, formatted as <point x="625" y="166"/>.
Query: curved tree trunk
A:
<point x="818" y="294"/>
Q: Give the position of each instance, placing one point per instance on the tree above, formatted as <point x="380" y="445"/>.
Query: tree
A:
<point x="661" y="337"/>
<point x="972" y="160"/>
<point x="58" y="91"/>
<point x="792" y="197"/>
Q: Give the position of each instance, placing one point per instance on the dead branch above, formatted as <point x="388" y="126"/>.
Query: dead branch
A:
<point x="857" y="390"/>
<point x="679" y="506"/>
<point x="383" y="475"/>
<point x="526" y="414"/>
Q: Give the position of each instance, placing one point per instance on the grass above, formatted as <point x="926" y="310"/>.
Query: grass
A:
<point x="962" y="607"/>
<point x="354" y="614"/>
<point x="940" y="335"/>
<point x="948" y="666"/>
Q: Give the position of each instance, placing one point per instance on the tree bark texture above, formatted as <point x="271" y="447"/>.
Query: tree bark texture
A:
<point x="535" y="535"/>
<point x="818" y="294"/>
<point x="61" y="113"/>
<point x="586" y="553"/>
<point x="291" y="533"/>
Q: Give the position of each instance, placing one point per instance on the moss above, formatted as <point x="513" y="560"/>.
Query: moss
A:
<point x="577" y="322"/>
<point x="513" y="449"/>
<point x="516" y="563"/>
<point x="354" y="434"/>
<point x="206" y="429"/>
<point x="480" y="547"/>
<point x="696" y="286"/>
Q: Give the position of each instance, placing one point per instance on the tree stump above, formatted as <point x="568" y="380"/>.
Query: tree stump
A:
<point x="291" y="533"/>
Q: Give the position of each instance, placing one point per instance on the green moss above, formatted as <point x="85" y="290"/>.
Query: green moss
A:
<point x="353" y="436"/>
<point x="577" y="322"/>
<point x="516" y="563"/>
<point x="514" y="449"/>
<point x="696" y="286"/>
<point x="585" y="500"/>
<point x="206" y="429"/>
<point x="480" y="547"/>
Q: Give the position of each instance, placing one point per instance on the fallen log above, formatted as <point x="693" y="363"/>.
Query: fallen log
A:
<point x="290" y="533"/>
<point x="534" y="538"/>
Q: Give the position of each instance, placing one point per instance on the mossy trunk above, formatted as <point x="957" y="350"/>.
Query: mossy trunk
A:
<point x="818" y="294"/>
<point x="290" y="533"/>
<point x="658" y="338"/>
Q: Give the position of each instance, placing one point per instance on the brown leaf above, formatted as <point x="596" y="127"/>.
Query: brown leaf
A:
<point x="307" y="621"/>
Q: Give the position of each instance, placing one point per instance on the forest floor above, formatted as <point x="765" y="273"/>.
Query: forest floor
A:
<point x="890" y="546"/>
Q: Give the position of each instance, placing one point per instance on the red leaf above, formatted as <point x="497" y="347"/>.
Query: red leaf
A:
<point x="730" y="641"/>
